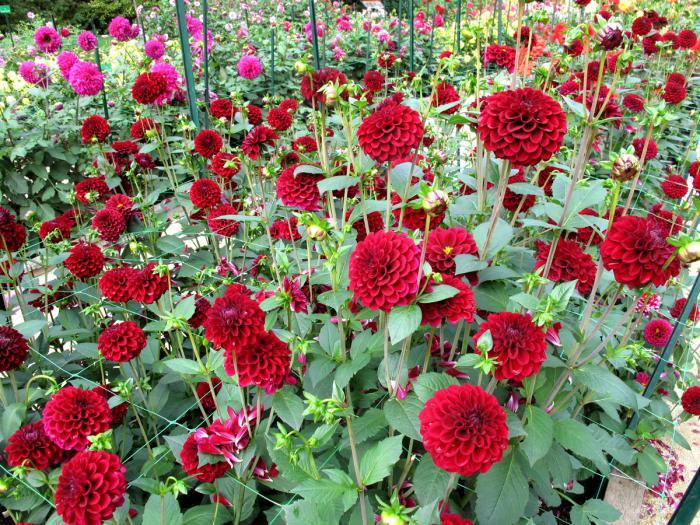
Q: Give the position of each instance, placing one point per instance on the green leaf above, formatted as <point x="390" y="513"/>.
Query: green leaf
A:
<point x="339" y="182"/>
<point x="160" y="511"/>
<point x="650" y="465"/>
<point x="427" y="384"/>
<point x="339" y="488"/>
<point x="465" y="263"/>
<point x="576" y="437"/>
<point x="183" y="366"/>
<point x="377" y="462"/>
<point x="170" y="244"/>
<point x="501" y="493"/>
<point x="540" y="433"/>
<point x="289" y="407"/>
<point x="429" y="481"/>
<point x="468" y="361"/>
<point x="365" y="427"/>
<point x="204" y="515"/>
<point x="30" y="328"/>
<point x="349" y="368"/>
<point x="501" y="236"/>
<point x="185" y="308"/>
<point x="11" y="420"/>
<point x="594" y="511"/>
<point x="609" y="387"/>
<point x="403" y="321"/>
<point x="403" y="416"/>
<point x="439" y="293"/>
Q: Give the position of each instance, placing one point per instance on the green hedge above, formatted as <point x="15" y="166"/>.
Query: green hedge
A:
<point x="79" y="13"/>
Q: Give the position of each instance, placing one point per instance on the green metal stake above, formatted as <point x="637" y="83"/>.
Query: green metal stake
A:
<point x="398" y="17"/>
<point x="411" y="37"/>
<point x="9" y="31"/>
<point x="500" y="22"/>
<point x="99" y="67"/>
<point x="458" y="27"/>
<point x="368" y="53"/>
<point x="689" y="505"/>
<point x="205" y="42"/>
<point x="314" y="36"/>
<point x="272" y="59"/>
<point x="187" y="61"/>
<point x="140" y="22"/>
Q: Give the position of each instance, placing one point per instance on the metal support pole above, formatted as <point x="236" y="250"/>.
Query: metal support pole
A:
<point x="690" y="504"/>
<point x="411" y="36"/>
<point x="272" y="58"/>
<point x="314" y="35"/>
<point x="458" y="28"/>
<point x="500" y="22"/>
<point x="205" y="50"/>
<point x="99" y="67"/>
<point x="187" y="61"/>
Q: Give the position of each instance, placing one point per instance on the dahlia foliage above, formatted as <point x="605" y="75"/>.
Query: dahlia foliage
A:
<point x="419" y="283"/>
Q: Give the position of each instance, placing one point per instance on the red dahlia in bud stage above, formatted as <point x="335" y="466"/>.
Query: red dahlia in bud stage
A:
<point x="460" y="307"/>
<point x="444" y="244"/>
<point x="148" y="87"/>
<point x="109" y="223"/>
<point x="262" y="361"/>
<point x="206" y="473"/>
<point x="30" y="447"/>
<point x="205" y="193"/>
<point x="636" y="251"/>
<point x="519" y="345"/>
<point x="299" y="189"/>
<point x="384" y="270"/>
<point x="95" y="128"/>
<point x="225" y="227"/>
<point x="570" y="263"/>
<point x="90" y="488"/>
<point x="311" y="85"/>
<point x="74" y="414"/>
<point x="390" y="133"/>
<point x="675" y="186"/>
<point x="222" y="108"/>
<point x="445" y="94"/>
<point x="233" y="321"/>
<point x="658" y="332"/>
<point x="146" y="286"/>
<point x="279" y="119"/>
<point x="208" y="143"/>
<point x="141" y="127"/>
<point x="651" y="149"/>
<point x="464" y="429"/>
<point x="687" y="39"/>
<point x="204" y="393"/>
<point x="121" y="342"/>
<point x="524" y="126"/>
<point x="91" y="190"/>
<point x="258" y="137"/>
<point x="641" y="26"/>
<point x="374" y="80"/>
<point x="454" y="519"/>
<point x="85" y="260"/>
<point x="114" y="283"/>
<point x="677" y="310"/>
<point x="13" y="348"/>
<point x="691" y="400"/>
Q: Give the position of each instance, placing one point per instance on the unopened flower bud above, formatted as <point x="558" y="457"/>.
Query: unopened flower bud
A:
<point x="610" y="36"/>
<point x="435" y="202"/>
<point x="331" y="95"/>
<point x="690" y="252"/>
<point x="300" y="67"/>
<point x="315" y="232"/>
<point x="391" y="519"/>
<point x="625" y="167"/>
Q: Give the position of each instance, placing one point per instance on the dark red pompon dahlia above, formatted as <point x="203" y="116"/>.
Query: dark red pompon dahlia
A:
<point x="447" y="518"/>
<point x="122" y="342"/>
<point x="109" y="223"/>
<point x="114" y="283"/>
<point x="390" y="133"/>
<point x="444" y="244"/>
<point x="519" y="345"/>
<point x="299" y="189"/>
<point x="13" y="348"/>
<point x="147" y="285"/>
<point x="148" y="87"/>
<point x="464" y="429"/>
<point x="460" y="307"/>
<point x="233" y="321"/>
<point x="691" y="400"/>
<point x="569" y="263"/>
<point x="90" y="488"/>
<point x="205" y="193"/>
<point x="30" y="447"/>
<point x="637" y="253"/>
<point x="384" y="270"/>
<point x="208" y="143"/>
<point x="85" y="260"/>
<point x="311" y="85"/>
<point x="94" y="129"/>
<point x="263" y="361"/>
<point x="225" y="226"/>
<point x="524" y="126"/>
<point x="73" y="414"/>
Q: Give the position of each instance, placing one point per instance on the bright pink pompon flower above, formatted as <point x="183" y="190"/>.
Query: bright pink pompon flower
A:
<point x="85" y="79"/>
<point x="250" y="67"/>
<point x="87" y="41"/>
<point x="227" y="438"/>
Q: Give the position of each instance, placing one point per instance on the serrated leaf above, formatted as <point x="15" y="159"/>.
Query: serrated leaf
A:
<point x="289" y="407"/>
<point x="429" y="481"/>
<point x="439" y="293"/>
<point x="427" y="384"/>
<point x="339" y="182"/>
<point x="403" y="416"/>
<point x="160" y="511"/>
<point x="337" y="488"/>
<point x="501" y="493"/>
<point x="540" y="433"/>
<point x="377" y="462"/>
<point x="576" y="437"/>
<point x="609" y="387"/>
<point x="403" y="322"/>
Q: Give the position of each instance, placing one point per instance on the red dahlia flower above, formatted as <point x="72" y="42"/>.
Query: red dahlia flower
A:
<point x="204" y="393"/>
<point x="85" y="260"/>
<point x="121" y="342"/>
<point x="674" y="93"/>
<point x="691" y="400"/>
<point x="446" y="94"/>
<point x="454" y="519"/>
<point x="305" y="144"/>
<point x="290" y="105"/>
<point x="384" y="270"/>
<point x="114" y="283"/>
<point x="658" y="332"/>
<point x="460" y="307"/>
<point x="258" y="137"/>
<point x="31" y="447"/>
<point x="374" y="221"/>
<point x="222" y="108"/>
<point x="641" y="26"/>
<point x="279" y="119"/>
<point x="464" y="429"/>
<point x="205" y="193"/>
<point x="687" y="39"/>
<point x="118" y="411"/>
<point x="311" y="85"/>
<point x="225" y="227"/>
<point x="146" y="286"/>
<point x="74" y="414"/>
<point x="503" y="56"/>
<point x="637" y="252"/>
<point x="233" y="321"/>
<point x="92" y="189"/>
<point x="13" y="348"/>
<point x="285" y="229"/>
<point x="390" y="133"/>
<point x="262" y="361"/>
<point x="208" y="143"/>
<point x="677" y="310"/>
<point x="123" y="204"/>
<point x="298" y="188"/>
<point x="374" y="80"/>
<point x="109" y="223"/>
<point x="206" y="473"/>
<point x="519" y="345"/>
<point x="148" y="87"/>
<point x="524" y="126"/>
<point x="201" y="307"/>
<point x="652" y="149"/>
<point x="513" y="201"/>
<point x="141" y="127"/>
<point x="95" y="128"/>
<point x="444" y="244"/>
<point x="675" y="186"/>
<point x="90" y="488"/>
<point x="570" y="262"/>
<point x="635" y="103"/>
<point x="225" y="165"/>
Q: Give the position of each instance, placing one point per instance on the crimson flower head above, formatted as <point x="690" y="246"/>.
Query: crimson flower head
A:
<point x="519" y="345"/>
<point x="294" y="295"/>
<point x="444" y="244"/>
<point x="73" y="414"/>
<point x="390" y="133"/>
<point x="233" y="321"/>
<point x="374" y="80"/>
<point x="225" y="226"/>
<point x="208" y="143"/>
<point x="225" y="165"/>
<point x="460" y="307"/>
<point x="675" y="186"/>
<point x="311" y="85"/>
<point x="141" y="127"/>
<point x="109" y="223"/>
<point x="263" y="361"/>
<point x="679" y="305"/>
<point x="207" y="472"/>
<point x="258" y="137"/>
<point x="147" y="285"/>
<point x="54" y="230"/>
<point x="227" y="438"/>
<point x="569" y="263"/>
<point x="279" y="119"/>
<point x="502" y="56"/>
<point x="524" y="126"/>
<point x="299" y="188"/>
<point x="90" y="488"/>
<point x="91" y="190"/>
<point x="205" y="193"/>
<point x="206" y="395"/>
<point x="222" y="108"/>
<point x="13" y="348"/>
<point x="148" y="87"/>
<point x="122" y="342"/>
<point x="447" y="518"/>
<point x="85" y="260"/>
<point x="464" y="429"/>
<point x="637" y="253"/>
<point x="31" y="447"/>
<point x="384" y="270"/>
<point x="691" y="400"/>
<point x="94" y="129"/>
<point x="446" y="94"/>
<point x="658" y="332"/>
<point x="114" y="283"/>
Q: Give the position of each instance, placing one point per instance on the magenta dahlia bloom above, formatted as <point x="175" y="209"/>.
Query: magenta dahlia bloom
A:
<point x="172" y="80"/>
<point x="121" y="29"/>
<point x="34" y="73"/>
<point x="66" y="60"/>
<point x="85" y="79"/>
<point x="154" y="49"/>
<point x="47" y="39"/>
<point x="87" y="41"/>
<point x="250" y="67"/>
<point x="658" y="332"/>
